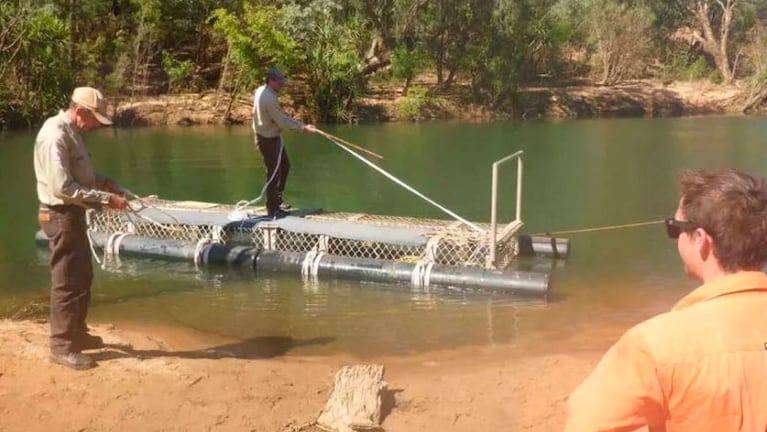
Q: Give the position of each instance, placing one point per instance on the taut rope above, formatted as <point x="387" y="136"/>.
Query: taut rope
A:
<point x="401" y="183"/>
<point x="603" y="228"/>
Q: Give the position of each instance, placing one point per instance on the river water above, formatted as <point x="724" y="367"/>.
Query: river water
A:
<point x="578" y="174"/>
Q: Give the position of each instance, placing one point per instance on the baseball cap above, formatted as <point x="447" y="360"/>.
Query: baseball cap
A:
<point x="92" y="100"/>
<point x="275" y="74"/>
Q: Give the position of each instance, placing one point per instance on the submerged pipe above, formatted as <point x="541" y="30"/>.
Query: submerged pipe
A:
<point x="549" y="247"/>
<point x="528" y="283"/>
<point x="331" y="266"/>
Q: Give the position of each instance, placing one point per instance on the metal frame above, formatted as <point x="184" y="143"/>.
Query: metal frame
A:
<point x="516" y="224"/>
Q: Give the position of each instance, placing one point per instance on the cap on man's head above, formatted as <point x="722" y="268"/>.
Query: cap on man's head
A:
<point x="92" y="100"/>
<point x="276" y="75"/>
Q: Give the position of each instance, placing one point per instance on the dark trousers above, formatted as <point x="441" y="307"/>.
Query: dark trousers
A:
<point x="71" y="274"/>
<point x="271" y="149"/>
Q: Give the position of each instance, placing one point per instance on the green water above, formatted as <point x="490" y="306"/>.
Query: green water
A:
<point x="578" y="174"/>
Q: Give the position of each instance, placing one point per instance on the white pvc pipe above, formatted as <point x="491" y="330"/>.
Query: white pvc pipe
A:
<point x="494" y="198"/>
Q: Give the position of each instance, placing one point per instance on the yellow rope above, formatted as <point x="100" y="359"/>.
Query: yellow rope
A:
<point x="603" y="228"/>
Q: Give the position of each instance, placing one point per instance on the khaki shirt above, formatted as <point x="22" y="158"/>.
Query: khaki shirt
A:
<point x="700" y="368"/>
<point x="268" y="117"/>
<point x="63" y="166"/>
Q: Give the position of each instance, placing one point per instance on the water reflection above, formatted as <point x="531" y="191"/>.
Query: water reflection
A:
<point x="578" y="174"/>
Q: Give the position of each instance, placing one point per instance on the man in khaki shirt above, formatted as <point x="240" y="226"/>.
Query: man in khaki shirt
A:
<point x="269" y="120"/>
<point x="66" y="187"/>
<point x="703" y="366"/>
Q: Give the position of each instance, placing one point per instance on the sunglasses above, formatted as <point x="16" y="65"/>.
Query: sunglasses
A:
<point x="674" y="228"/>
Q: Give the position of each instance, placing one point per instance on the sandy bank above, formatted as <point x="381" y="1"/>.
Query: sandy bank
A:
<point x="635" y="99"/>
<point x="177" y="384"/>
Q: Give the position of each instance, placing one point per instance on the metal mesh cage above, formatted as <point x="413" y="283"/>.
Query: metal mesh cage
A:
<point x="449" y="243"/>
<point x="373" y="250"/>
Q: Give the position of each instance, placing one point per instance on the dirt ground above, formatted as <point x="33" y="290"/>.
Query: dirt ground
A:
<point x="167" y="381"/>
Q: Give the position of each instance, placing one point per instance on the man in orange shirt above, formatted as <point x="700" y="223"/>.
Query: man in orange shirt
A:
<point x="702" y="366"/>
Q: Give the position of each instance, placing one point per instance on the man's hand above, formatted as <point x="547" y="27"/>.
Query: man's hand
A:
<point x="309" y="128"/>
<point x="117" y="202"/>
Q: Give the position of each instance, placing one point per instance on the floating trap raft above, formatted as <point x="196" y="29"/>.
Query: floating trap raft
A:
<point x="316" y="244"/>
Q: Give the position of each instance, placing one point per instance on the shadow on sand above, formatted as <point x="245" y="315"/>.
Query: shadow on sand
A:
<point x="262" y="347"/>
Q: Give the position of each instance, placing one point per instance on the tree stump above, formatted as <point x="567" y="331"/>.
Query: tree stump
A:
<point x="355" y="403"/>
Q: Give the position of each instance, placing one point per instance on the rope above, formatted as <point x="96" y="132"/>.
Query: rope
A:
<point x="421" y="274"/>
<point x="427" y="275"/>
<point x="307" y="262"/>
<point x="311" y="263"/>
<point x="109" y="248"/>
<point x="89" y="232"/>
<point x="117" y="242"/>
<point x="316" y="264"/>
<point x="404" y="185"/>
<point x="142" y="205"/>
<point x="204" y="241"/>
<point x="416" y="276"/>
<point x="239" y="213"/>
<point x="430" y="254"/>
<point x="603" y="228"/>
<point x="113" y="240"/>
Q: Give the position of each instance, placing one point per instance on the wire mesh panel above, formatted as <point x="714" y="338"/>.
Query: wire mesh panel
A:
<point x="463" y="254"/>
<point x="394" y="221"/>
<point x="449" y="242"/>
<point x="286" y="241"/>
<point x="373" y="250"/>
<point x="110" y="221"/>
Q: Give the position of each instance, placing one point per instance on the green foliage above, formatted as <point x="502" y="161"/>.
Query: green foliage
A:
<point x="178" y="71"/>
<point x="331" y="68"/>
<point x="413" y="106"/>
<point x="334" y="47"/>
<point x="619" y="37"/>
<point x="759" y="80"/>
<point x="510" y="51"/>
<point x="404" y="63"/>
<point x="255" y="42"/>
<point x="699" y="70"/>
<point x="34" y="75"/>
<point x="332" y="73"/>
<point x="446" y="30"/>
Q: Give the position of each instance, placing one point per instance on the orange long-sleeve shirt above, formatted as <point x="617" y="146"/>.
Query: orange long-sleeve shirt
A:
<point x="701" y="367"/>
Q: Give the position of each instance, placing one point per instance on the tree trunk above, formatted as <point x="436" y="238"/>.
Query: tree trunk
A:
<point x="450" y="77"/>
<point x="224" y="74"/>
<point x="232" y="96"/>
<point x="717" y="47"/>
<point x="405" y="89"/>
<point x="136" y="56"/>
<point x="356" y="401"/>
<point x="72" y="35"/>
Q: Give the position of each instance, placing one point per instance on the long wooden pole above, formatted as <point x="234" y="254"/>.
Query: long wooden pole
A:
<point x="347" y="143"/>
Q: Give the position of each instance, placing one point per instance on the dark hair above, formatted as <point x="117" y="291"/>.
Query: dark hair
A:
<point x="732" y="208"/>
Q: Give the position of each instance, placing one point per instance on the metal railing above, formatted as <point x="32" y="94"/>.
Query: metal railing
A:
<point x="494" y="204"/>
